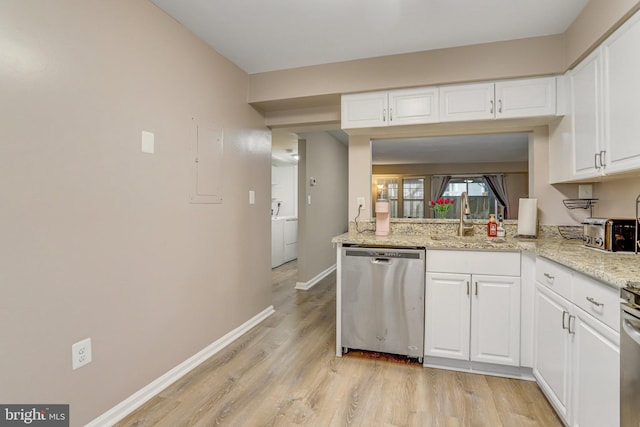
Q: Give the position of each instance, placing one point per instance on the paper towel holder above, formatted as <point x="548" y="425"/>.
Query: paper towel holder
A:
<point x="531" y="220"/>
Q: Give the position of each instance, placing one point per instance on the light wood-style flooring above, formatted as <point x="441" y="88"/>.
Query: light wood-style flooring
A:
<point x="284" y="372"/>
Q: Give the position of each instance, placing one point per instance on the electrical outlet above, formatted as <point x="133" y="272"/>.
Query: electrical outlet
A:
<point x="585" y="191"/>
<point x="360" y="202"/>
<point x="81" y="353"/>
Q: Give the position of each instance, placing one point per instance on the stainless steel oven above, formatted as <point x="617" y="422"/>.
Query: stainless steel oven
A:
<point x="630" y="358"/>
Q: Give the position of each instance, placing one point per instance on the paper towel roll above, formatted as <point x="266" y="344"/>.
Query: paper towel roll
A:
<point x="528" y="217"/>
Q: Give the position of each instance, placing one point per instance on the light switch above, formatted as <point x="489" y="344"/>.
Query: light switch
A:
<point x="252" y="197"/>
<point x="147" y="142"/>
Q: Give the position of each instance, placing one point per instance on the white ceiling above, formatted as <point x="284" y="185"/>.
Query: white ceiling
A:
<point x="259" y="35"/>
<point x="507" y="147"/>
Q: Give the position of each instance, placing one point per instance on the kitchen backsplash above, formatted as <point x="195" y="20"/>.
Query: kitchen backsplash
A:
<point x="440" y="227"/>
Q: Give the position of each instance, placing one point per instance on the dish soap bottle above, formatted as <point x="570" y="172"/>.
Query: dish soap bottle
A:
<point x="492" y="226"/>
<point x="501" y="232"/>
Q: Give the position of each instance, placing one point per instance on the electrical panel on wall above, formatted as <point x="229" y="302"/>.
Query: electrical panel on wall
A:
<point x="207" y="145"/>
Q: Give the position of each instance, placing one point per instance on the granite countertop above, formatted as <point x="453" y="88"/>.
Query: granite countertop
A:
<point x="615" y="268"/>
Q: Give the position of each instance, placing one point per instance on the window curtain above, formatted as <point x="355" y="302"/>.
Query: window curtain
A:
<point x="498" y="185"/>
<point x="438" y="186"/>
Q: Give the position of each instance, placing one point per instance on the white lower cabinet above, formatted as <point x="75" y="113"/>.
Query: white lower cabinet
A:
<point x="552" y="344"/>
<point x="495" y="320"/>
<point x="595" y="364"/>
<point x="472" y="317"/>
<point x="576" y="356"/>
<point x="447" y="315"/>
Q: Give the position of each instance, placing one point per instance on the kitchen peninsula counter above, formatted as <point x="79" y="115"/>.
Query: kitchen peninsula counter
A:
<point x="616" y="268"/>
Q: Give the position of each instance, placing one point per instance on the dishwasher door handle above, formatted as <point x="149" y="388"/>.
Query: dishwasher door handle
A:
<point x="386" y="261"/>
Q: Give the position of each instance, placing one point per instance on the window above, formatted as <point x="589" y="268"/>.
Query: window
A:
<point x="404" y="193"/>
<point x="482" y="201"/>
<point x="413" y="197"/>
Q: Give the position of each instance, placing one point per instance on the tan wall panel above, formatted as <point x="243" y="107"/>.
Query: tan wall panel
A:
<point x="325" y="159"/>
<point x="516" y="58"/>
<point x="98" y="239"/>
<point x="597" y="20"/>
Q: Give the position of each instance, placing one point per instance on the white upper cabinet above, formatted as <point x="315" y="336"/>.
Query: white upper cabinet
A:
<point x="586" y="94"/>
<point x="467" y="102"/>
<point x="396" y="107"/>
<point x="605" y="109"/>
<point x="413" y="106"/>
<point x="361" y="110"/>
<point x="621" y="61"/>
<point x="526" y="98"/>
<point x="464" y="102"/>
<point x="501" y="100"/>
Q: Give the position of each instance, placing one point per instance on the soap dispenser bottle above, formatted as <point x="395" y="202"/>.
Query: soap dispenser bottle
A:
<point x="492" y="226"/>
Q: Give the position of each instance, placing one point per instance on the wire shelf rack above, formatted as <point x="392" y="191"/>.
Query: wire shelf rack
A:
<point x="580" y="204"/>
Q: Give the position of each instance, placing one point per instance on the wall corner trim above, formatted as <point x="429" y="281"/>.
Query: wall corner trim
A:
<point x="133" y="402"/>
<point x="305" y="286"/>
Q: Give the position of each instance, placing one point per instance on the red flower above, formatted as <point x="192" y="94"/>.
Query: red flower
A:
<point x="440" y="200"/>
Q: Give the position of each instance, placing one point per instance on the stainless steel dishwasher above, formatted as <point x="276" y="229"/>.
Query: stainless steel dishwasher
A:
<point x="383" y="300"/>
<point x="629" y="357"/>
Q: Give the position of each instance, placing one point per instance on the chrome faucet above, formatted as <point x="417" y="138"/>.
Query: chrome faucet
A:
<point x="465" y="227"/>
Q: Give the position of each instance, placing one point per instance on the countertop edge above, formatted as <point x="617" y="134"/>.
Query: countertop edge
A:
<point x="614" y="268"/>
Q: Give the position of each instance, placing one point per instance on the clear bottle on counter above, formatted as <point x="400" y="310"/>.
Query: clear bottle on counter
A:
<point x="500" y="231"/>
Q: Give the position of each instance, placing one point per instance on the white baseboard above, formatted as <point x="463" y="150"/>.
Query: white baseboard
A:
<point x="305" y="286"/>
<point x="140" y="397"/>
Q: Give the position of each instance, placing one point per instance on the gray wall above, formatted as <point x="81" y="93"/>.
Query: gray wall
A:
<point x="98" y="239"/>
<point x="325" y="159"/>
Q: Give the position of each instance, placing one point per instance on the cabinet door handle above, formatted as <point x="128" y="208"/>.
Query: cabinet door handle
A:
<point x="390" y="114"/>
<point x="468" y="287"/>
<point x="594" y="302"/>
<point x="500" y="106"/>
<point x="595" y="160"/>
<point x="548" y="276"/>
<point x="602" y="160"/>
<point x="384" y="114"/>
<point x="564" y="314"/>
<point x="491" y="106"/>
<point x="572" y="332"/>
<point x="476" y="288"/>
